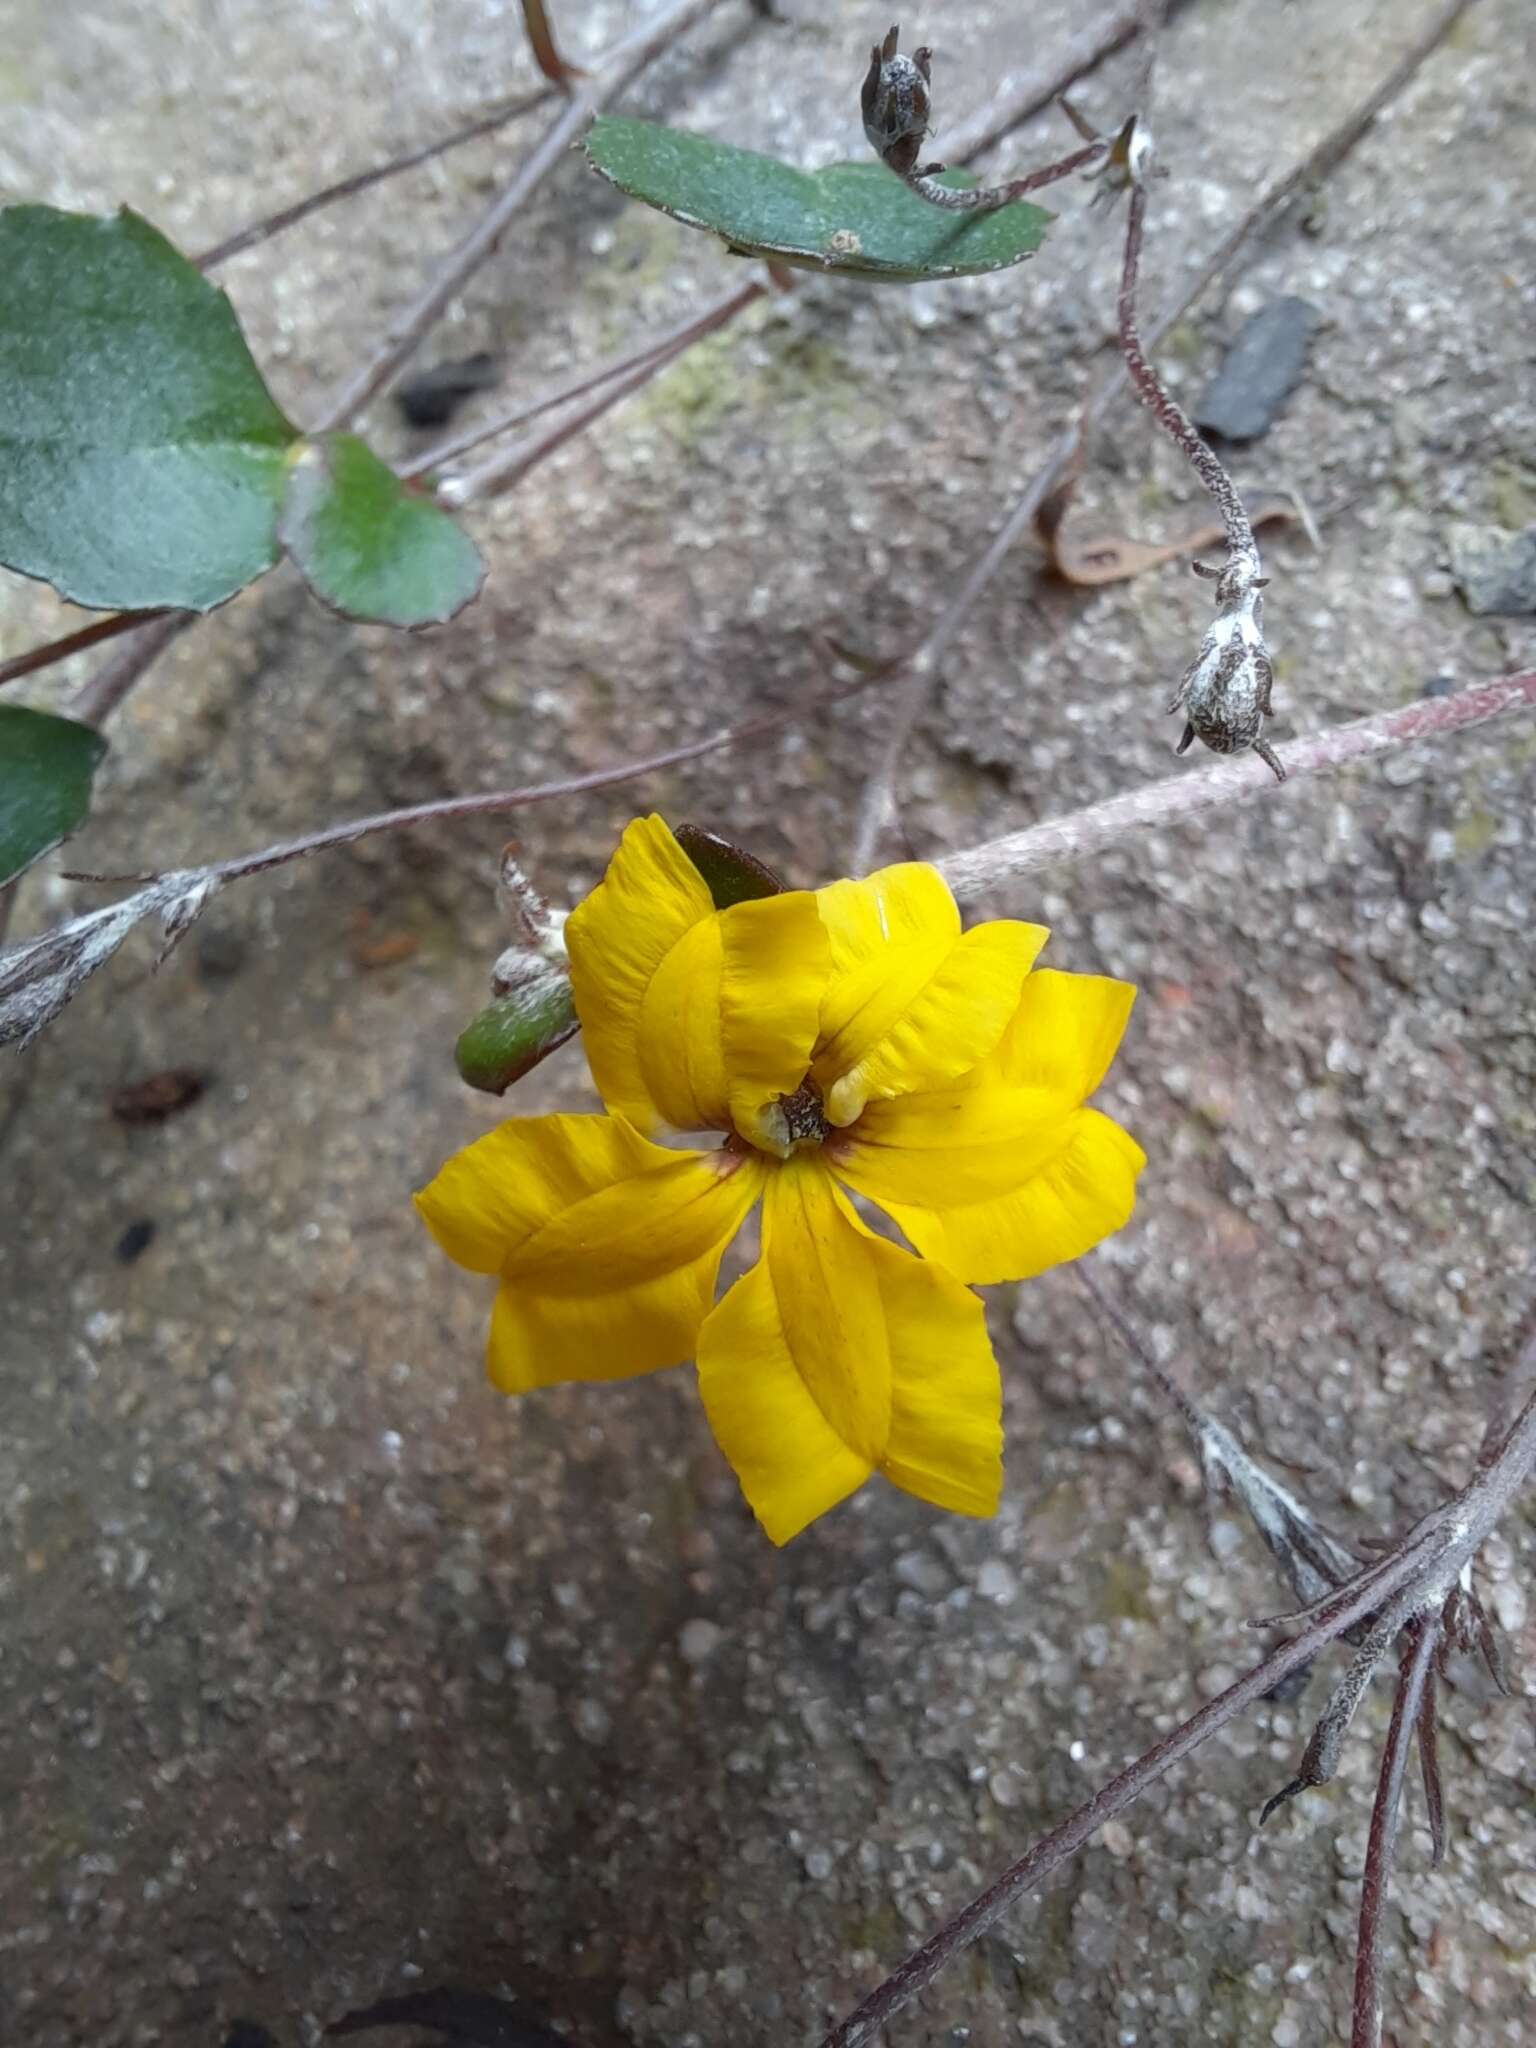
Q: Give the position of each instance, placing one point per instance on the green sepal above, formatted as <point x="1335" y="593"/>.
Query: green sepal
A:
<point x="733" y="876"/>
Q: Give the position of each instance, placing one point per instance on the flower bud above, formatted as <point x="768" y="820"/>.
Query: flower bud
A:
<point x="512" y="1034"/>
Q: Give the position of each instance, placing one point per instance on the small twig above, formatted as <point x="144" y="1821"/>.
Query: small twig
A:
<point x="500" y="472"/>
<point x="1414" y="1694"/>
<point x="1180" y="797"/>
<point x="490" y="803"/>
<point x="990" y="198"/>
<point x="1154" y="394"/>
<point x="1429" y="1764"/>
<point x="657" y="349"/>
<point x="100" y="695"/>
<point x="1042" y="86"/>
<point x="1225" y="693"/>
<point x="361" y="181"/>
<point x="1026" y="1875"/>
<point x="1314" y="1562"/>
<point x="53" y="651"/>
<point x="406" y="332"/>
<point x="922" y="661"/>
<point x="546" y="51"/>
<point x="1422" y="1578"/>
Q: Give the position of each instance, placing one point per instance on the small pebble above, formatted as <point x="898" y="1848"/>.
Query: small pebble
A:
<point x="996" y="1582"/>
<point x="1245" y="397"/>
<point x="923" y="1573"/>
<point x="221" y="952"/>
<point x="136" y="1240"/>
<point x="1495" y="569"/>
<point x="433" y="396"/>
<point x="698" y="1640"/>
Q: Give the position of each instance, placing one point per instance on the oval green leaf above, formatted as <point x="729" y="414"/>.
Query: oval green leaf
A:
<point x="856" y="220"/>
<point x="369" y="545"/>
<point x="141" y="456"/>
<point x="46" y="765"/>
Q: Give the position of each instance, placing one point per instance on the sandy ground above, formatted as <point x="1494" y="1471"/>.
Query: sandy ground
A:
<point x="323" y="1671"/>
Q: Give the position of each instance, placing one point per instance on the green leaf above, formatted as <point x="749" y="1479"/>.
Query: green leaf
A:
<point x="369" y="545"/>
<point x="511" y="1035"/>
<point x="46" y="765"/>
<point x="858" y="220"/>
<point x="141" y="457"/>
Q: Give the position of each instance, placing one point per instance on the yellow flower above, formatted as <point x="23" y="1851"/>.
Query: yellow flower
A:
<point x="848" y="1041"/>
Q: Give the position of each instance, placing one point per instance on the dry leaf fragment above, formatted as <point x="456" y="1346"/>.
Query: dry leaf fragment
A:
<point x="1113" y="558"/>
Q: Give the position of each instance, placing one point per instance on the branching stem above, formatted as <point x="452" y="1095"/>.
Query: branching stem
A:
<point x="1178" y="798"/>
<point x="1463" y="1525"/>
<point x="922" y="662"/>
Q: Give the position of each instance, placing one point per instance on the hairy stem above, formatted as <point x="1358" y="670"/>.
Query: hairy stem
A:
<point x="989" y="198"/>
<point x="1165" y="409"/>
<point x="922" y="661"/>
<point x="1178" y="798"/>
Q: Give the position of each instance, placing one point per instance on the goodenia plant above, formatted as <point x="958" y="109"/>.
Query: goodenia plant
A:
<point x="858" y="1063"/>
<point x="846" y="1042"/>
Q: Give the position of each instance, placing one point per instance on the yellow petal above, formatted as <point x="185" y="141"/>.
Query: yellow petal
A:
<point x="677" y="1033"/>
<point x="839" y="1355"/>
<point x="776" y="966"/>
<point x="791" y="1462"/>
<point x="619" y="939"/>
<point x="911" y="1003"/>
<point x="693" y="1017"/>
<point x="1059" y="1207"/>
<point x="946" y="1441"/>
<point x="952" y="1146"/>
<point x="1063" y="1035"/>
<point x="608" y="1246"/>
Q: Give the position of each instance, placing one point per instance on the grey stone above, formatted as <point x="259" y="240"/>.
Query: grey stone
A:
<point x="1495" y="569"/>
<point x="698" y="1640"/>
<point x="1244" y="399"/>
<point x="221" y="951"/>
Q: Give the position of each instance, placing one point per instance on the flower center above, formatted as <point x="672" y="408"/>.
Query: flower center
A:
<point x="804" y="1120"/>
